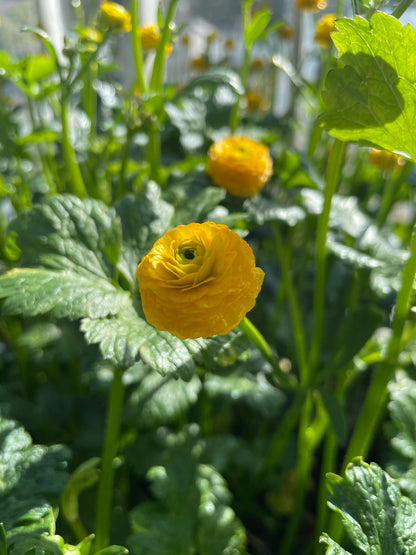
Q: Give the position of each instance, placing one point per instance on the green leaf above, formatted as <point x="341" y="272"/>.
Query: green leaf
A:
<point x="402" y="431"/>
<point x="193" y="196"/>
<point x="144" y="218"/>
<point x="38" y="67"/>
<point x="45" y="136"/>
<point x="255" y="30"/>
<point x="127" y="335"/>
<point x="376" y="516"/>
<point x="71" y="246"/>
<point x="3" y="542"/>
<point x="83" y="477"/>
<point x="37" y="291"/>
<point x="213" y="79"/>
<point x="190" y="512"/>
<point x="113" y="550"/>
<point x="372" y="99"/>
<point x="261" y="210"/>
<point x="153" y="400"/>
<point x="31" y="475"/>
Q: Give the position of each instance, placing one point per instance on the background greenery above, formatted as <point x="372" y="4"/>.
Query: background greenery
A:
<point x="111" y="428"/>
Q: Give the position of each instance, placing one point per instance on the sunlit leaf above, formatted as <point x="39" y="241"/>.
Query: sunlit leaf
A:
<point x="372" y="99"/>
<point x="377" y="517"/>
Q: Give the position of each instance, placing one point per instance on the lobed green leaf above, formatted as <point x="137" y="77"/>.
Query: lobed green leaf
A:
<point x="377" y="517"/>
<point x="372" y="98"/>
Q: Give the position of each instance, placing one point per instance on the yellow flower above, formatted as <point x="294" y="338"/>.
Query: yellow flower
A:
<point x="199" y="63"/>
<point x="311" y="5"/>
<point x="116" y="15"/>
<point x="198" y="280"/>
<point x="384" y="159"/>
<point x="257" y="64"/>
<point x="254" y="101"/>
<point x="240" y="165"/>
<point x="285" y="32"/>
<point x="150" y="37"/>
<point x="324" y="27"/>
<point x="229" y="44"/>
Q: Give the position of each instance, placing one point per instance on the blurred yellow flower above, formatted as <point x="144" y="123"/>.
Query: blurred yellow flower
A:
<point x="240" y="165"/>
<point x="257" y="64"/>
<point x="311" y="5"/>
<point x="150" y="37"/>
<point x="212" y="36"/>
<point x="285" y="32"/>
<point x="384" y="159"/>
<point x="229" y="44"/>
<point x="185" y="40"/>
<point x="324" y="27"/>
<point x="199" y="63"/>
<point x="198" y="280"/>
<point x="116" y="15"/>
<point x="89" y="34"/>
<point x="254" y="101"/>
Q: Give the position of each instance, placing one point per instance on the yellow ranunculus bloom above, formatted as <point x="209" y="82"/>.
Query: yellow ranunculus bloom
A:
<point x="198" y="280"/>
<point x="240" y="165"/>
<point x="384" y="159"/>
<point x="311" y="5"/>
<point x="150" y="37"/>
<point x="116" y="15"/>
<point x="324" y="27"/>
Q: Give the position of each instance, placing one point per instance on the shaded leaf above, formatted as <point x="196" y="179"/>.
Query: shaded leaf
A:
<point x="123" y="338"/>
<point x="377" y="517"/>
<point x="31" y="475"/>
<point x="153" y="400"/>
<point x="190" y="512"/>
<point x="372" y="98"/>
<point x="144" y="218"/>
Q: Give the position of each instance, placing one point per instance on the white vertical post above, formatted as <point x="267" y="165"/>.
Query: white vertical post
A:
<point x="50" y="17"/>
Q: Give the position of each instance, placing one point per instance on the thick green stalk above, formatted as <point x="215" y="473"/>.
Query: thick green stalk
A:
<point x="376" y="395"/>
<point x="334" y="165"/>
<point x="111" y="442"/>
<point x="74" y="172"/>
<point x="252" y="333"/>
<point x="137" y="46"/>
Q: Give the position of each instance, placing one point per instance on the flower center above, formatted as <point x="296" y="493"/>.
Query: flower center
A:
<point x="187" y="254"/>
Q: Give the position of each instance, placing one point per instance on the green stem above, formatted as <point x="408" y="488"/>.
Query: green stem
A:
<point x="46" y="172"/>
<point x="293" y="302"/>
<point x="252" y="333"/>
<point x="137" y="46"/>
<point x="401" y="8"/>
<point x="334" y="165"/>
<point x="156" y="80"/>
<point x="75" y="176"/>
<point x="376" y="395"/>
<point x="111" y="442"/>
<point x="283" y="432"/>
<point x="235" y="113"/>
<point x="83" y="72"/>
<point x="90" y="98"/>
<point x="153" y="150"/>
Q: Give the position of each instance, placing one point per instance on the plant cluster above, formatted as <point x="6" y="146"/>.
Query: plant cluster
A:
<point x="207" y="328"/>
